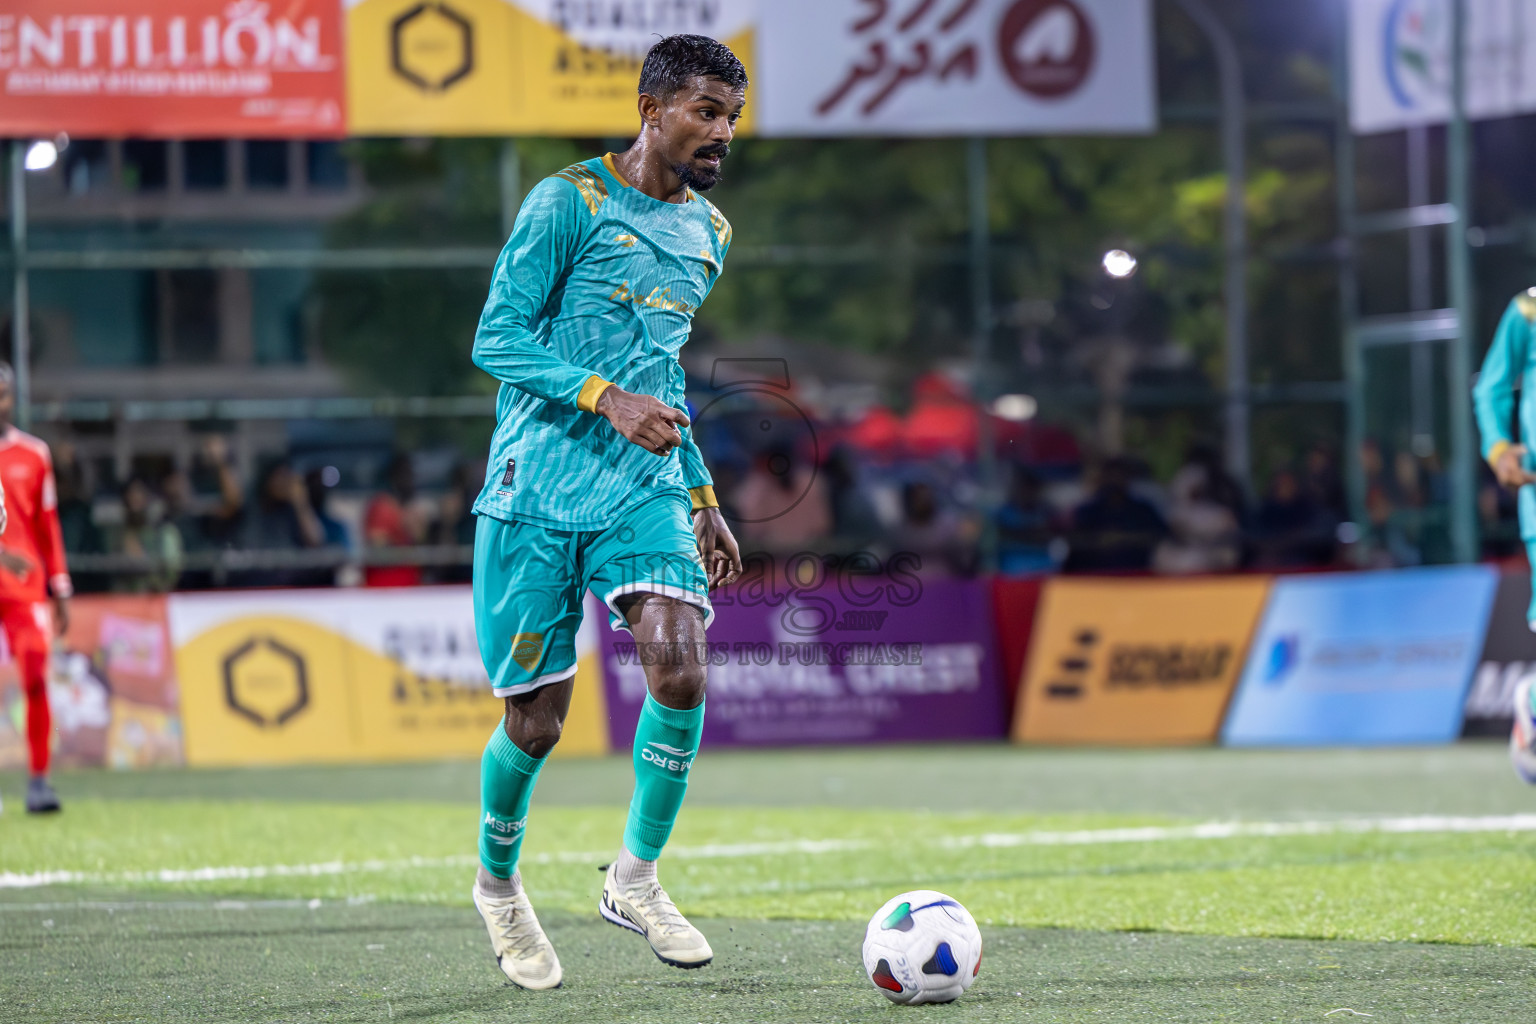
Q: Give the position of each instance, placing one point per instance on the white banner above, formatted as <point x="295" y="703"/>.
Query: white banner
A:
<point x="1400" y="66"/>
<point x="955" y="67"/>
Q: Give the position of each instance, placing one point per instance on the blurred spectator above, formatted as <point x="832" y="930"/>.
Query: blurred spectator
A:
<point x="856" y="521"/>
<point x="317" y="485"/>
<point x="1114" y="530"/>
<point x="144" y="534"/>
<point x="76" y="518"/>
<point x="783" y="503"/>
<point x="455" y="523"/>
<point x="1323" y="484"/>
<point x="390" y="522"/>
<point x="1204" y="510"/>
<point x="1026" y="530"/>
<point x="1290" y="528"/>
<point x="281" y="517"/>
<point x="455" y="510"/>
<point x="937" y="534"/>
<point x="213" y="473"/>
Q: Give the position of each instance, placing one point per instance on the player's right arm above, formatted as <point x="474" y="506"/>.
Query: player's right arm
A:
<point x="1493" y="396"/>
<point x="544" y="244"/>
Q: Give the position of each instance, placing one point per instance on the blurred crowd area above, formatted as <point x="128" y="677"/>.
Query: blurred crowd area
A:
<point x="954" y="487"/>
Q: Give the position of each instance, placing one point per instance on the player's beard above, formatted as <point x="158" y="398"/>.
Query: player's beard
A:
<point x="702" y="179"/>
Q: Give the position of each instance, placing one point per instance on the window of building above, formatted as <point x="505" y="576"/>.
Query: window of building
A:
<point x="189" y="316"/>
<point x="327" y="165"/>
<point x="145" y="165"/>
<point x="266" y="163"/>
<point x="205" y="163"/>
<point x="87" y="166"/>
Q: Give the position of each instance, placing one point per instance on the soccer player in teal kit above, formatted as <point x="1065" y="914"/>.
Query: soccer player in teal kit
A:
<point x="1510" y="365"/>
<point x="594" y="482"/>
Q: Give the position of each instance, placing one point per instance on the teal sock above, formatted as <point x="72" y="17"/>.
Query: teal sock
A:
<point x="507" y="776"/>
<point x="666" y="742"/>
<point x="1530" y="553"/>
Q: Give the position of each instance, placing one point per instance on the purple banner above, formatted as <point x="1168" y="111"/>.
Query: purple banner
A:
<point x="865" y="660"/>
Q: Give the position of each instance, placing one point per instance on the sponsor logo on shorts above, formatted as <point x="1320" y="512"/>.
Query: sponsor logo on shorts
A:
<point x="527" y="649"/>
<point x="670" y="758"/>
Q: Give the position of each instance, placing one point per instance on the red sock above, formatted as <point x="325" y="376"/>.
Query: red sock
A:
<point x="34" y="676"/>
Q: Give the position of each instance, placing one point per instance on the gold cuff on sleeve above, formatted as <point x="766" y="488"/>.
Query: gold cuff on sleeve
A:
<point x="590" y="392"/>
<point x="703" y="497"/>
<point x="1495" y="450"/>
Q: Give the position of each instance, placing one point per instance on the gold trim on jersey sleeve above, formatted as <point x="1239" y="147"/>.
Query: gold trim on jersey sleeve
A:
<point x="718" y="222"/>
<point x="703" y="497"/>
<point x="1526" y="303"/>
<point x="613" y="169"/>
<point x="592" y="188"/>
<point x="591" y="391"/>
<point x="1495" y="450"/>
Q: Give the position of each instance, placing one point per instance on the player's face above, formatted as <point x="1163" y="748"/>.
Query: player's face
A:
<point x="7" y="404"/>
<point x="697" y="127"/>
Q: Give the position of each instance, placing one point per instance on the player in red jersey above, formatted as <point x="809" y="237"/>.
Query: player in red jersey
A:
<point x="32" y="570"/>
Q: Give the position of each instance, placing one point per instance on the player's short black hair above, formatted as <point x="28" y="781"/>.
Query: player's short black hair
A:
<point x="675" y="59"/>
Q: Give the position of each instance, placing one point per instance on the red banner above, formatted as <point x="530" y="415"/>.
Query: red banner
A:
<point x="171" y="68"/>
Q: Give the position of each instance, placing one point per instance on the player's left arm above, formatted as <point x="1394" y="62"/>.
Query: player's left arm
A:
<point x="1493" y="395"/>
<point x="50" y="544"/>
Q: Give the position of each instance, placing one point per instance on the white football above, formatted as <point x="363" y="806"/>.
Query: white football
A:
<point x="922" y="947"/>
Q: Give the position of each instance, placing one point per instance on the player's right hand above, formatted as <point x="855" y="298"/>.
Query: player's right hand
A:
<point x="647" y="421"/>
<point x="1509" y="467"/>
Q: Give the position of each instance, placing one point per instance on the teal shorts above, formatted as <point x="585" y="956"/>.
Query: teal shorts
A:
<point x="529" y="581"/>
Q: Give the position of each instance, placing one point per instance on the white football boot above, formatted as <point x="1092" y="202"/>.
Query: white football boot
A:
<point x="648" y="909"/>
<point x="1522" y="738"/>
<point x="522" y="949"/>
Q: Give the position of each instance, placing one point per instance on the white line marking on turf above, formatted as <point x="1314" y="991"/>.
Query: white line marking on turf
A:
<point x="1208" y="831"/>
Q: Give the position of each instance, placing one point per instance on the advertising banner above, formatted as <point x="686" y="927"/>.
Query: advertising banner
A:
<point x="1358" y="658"/>
<point x="1135" y="661"/>
<point x="171" y="68"/>
<point x="860" y="660"/>
<point x="1015" y="601"/>
<point x="1400" y="66"/>
<point x="272" y="677"/>
<point x="112" y="687"/>
<point x="956" y="67"/>
<point x="517" y="67"/>
<point x="1509" y="655"/>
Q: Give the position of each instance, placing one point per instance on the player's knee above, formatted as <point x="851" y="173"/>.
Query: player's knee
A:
<point x="679" y="683"/>
<point x="535" y="736"/>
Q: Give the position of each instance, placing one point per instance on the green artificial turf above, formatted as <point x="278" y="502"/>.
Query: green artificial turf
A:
<point x="257" y="895"/>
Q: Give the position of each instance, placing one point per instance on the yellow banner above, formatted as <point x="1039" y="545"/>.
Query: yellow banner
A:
<point x="1136" y="661"/>
<point x="514" y="67"/>
<point x="281" y="678"/>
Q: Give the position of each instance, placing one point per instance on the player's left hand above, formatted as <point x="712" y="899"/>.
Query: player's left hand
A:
<point x="722" y="558"/>
<point x="60" y="615"/>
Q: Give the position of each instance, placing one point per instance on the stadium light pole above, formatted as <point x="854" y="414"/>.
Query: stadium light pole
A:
<point x="1463" y="478"/>
<point x="977" y="187"/>
<point x="21" y="313"/>
<point x="1229" y="70"/>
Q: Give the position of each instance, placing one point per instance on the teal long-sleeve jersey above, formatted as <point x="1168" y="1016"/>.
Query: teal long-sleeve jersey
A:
<point x="598" y="283"/>
<point x="1509" y="362"/>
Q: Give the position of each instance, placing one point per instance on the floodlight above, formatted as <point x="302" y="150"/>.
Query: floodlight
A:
<point x="1017" y="408"/>
<point x="41" y="155"/>
<point x="1118" y="263"/>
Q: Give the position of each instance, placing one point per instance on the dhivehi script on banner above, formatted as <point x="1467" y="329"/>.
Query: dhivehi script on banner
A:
<point x="950" y="67"/>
